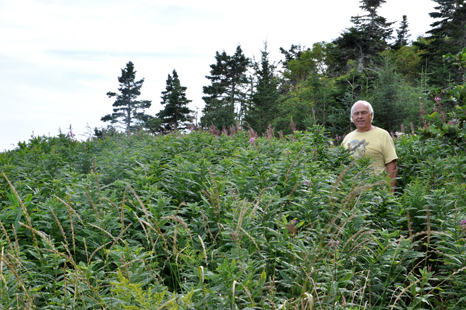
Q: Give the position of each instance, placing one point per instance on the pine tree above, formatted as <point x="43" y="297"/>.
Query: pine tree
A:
<point x="174" y="99"/>
<point x="264" y="102"/>
<point x="127" y="110"/>
<point x="226" y="96"/>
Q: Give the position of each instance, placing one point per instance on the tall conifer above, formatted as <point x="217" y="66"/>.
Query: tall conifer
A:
<point x="226" y="96"/>
<point x="176" y="111"/>
<point x="127" y="110"/>
<point x="402" y="34"/>
<point x="368" y="36"/>
<point x="448" y="35"/>
<point x="264" y="102"/>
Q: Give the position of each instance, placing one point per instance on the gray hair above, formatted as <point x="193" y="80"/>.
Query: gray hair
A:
<point x="367" y="104"/>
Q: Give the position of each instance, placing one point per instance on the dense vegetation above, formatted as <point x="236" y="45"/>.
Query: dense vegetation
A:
<point x="316" y="84"/>
<point x="199" y="221"/>
<point x="256" y="207"/>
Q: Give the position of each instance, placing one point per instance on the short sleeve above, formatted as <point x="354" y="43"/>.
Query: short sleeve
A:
<point x="389" y="151"/>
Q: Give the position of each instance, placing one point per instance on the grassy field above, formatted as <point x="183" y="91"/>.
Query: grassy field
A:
<point x="199" y="221"/>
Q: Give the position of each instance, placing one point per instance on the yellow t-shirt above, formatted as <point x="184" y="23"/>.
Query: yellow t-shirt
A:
<point x="376" y="144"/>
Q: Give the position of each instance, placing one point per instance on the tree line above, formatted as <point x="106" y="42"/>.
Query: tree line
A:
<point x="370" y="60"/>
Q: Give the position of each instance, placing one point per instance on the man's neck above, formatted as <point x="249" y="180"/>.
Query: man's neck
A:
<point x="370" y="128"/>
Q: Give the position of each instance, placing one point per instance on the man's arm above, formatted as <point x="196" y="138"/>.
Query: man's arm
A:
<point x="392" y="170"/>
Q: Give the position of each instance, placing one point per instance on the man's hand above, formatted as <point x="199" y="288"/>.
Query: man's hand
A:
<point x="392" y="170"/>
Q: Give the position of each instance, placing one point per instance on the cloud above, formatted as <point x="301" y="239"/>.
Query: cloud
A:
<point x="102" y="55"/>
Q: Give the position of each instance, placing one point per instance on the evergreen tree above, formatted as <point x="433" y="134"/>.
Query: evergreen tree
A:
<point x="127" y="110"/>
<point x="392" y="98"/>
<point x="402" y="34"/>
<point x="452" y="15"/>
<point x="226" y="96"/>
<point x="366" y="38"/>
<point x="174" y="99"/>
<point x="263" y="107"/>
<point x="448" y="35"/>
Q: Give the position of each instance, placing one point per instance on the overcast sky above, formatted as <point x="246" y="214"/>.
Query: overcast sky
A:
<point x="59" y="58"/>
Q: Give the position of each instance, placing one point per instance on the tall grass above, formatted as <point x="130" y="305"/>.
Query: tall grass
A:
<point x="219" y="222"/>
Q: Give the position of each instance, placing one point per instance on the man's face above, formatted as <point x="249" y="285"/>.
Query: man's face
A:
<point x="361" y="117"/>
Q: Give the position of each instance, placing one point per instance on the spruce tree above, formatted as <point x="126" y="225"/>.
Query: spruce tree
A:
<point x="127" y="110"/>
<point x="448" y="35"/>
<point x="368" y="36"/>
<point x="391" y="98"/>
<point x="263" y="107"/>
<point x="176" y="111"/>
<point x="402" y="34"/>
<point x="226" y="96"/>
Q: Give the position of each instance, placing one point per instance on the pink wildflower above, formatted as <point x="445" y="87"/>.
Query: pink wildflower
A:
<point x="334" y="243"/>
<point x="463" y="226"/>
<point x="292" y="228"/>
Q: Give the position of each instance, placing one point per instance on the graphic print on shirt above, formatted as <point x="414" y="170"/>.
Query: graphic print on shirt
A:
<point x="358" y="148"/>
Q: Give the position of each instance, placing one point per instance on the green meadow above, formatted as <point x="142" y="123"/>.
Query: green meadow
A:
<point x="203" y="221"/>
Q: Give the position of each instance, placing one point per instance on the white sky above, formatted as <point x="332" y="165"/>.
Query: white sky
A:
<point x="59" y="58"/>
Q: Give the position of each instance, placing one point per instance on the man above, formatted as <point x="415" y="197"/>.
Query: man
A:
<point x="368" y="140"/>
